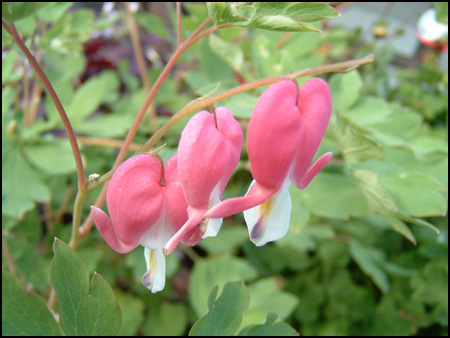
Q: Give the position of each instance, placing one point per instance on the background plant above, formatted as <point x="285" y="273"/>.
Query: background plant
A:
<point x="360" y="235"/>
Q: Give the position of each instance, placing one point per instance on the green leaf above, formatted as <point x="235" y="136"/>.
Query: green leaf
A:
<point x="441" y="12"/>
<point x="345" y="90"/>
<point x="228" y="52"/>
<point x="365" y="111"/>
<point x="333" y="196"/>
<point x="268" y="298"/>
<point x="132" y="307"/>
<point x="87" y="308"/>
<point x="371" y="261"/>
<point x="224" y="314"/>
<point x="152" y="23"/>
<point x="266" y="59"/>
<point x="9" y="74"/>
<point x="401" y="228"/>
<point x="417" y="194"/>
<point x="377" y="196"/>
<point x="230" y="238"/>
<point x="241" y="105"/>
<point x="401" y="122"/>
<point x="54" y="11"/>
<point x="19" y="10"/>
<point x="6" y="11"/>
<point x="91" y="94"/>
<point x="431" y="286"/>
<point x="222" y="13"/>
<point x="105" y="125"/>
<point x="162" y="323"/>
<point x="358" y="148"/>
<point x="269" y="328"/>
<point x="216" y="271"/>
<point x="21" y="186"/>
<point x="54" y="156"/>
<point x="24" y="314"/>
<point x="417" y="221"/>
<point x="277" y="16"/>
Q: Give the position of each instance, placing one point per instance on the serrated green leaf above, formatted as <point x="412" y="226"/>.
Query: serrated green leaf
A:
<point x="215" y="271"/>
<point x="269" y="328"/>
<point x="224" y="314"/>
<point x="21" y="186"/>
<point x="24" y="314"/>
<point x="371" y="261"/>
<point x="87" y="308"/>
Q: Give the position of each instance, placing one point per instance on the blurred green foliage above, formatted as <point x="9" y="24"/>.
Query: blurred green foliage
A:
<point x="367" y="250"/>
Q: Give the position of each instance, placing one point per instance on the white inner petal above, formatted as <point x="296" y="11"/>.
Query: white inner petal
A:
<point x="213" y="225"/>
<point x="159" y="233"/>
<point x="155" y="277"/>
<point x="269" y="221"/>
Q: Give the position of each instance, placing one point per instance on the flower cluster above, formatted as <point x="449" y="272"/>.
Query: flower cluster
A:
<point x="157" y="205"/>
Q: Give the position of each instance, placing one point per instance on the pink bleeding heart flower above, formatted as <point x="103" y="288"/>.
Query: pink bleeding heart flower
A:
<point x="147" y="207"/>
<point x="283" y="135"/>
<point x="208" y="152"/>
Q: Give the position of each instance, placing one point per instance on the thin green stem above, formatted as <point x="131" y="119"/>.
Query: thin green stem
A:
<point x="8" y="257"/>
<point x="76" y="220"/>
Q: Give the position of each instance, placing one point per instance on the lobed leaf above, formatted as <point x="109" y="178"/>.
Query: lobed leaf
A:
<point x="224" y="314"/>
<point x="21" y="186"/>
<point x="216" y="271"/>
<point x="269" y="328"/>
<point x="87" y="308"/>
<point x="24" y="314"/>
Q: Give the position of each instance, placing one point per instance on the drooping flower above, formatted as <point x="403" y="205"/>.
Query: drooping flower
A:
<point x="283" y="135"/>
<point x="147" y="207"/>
<point x="208" y="152"/>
